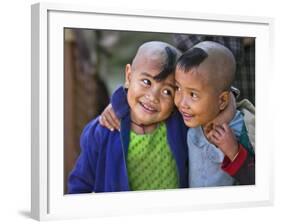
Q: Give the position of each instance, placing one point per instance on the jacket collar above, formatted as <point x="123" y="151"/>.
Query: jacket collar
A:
<point x="119" y="102"/>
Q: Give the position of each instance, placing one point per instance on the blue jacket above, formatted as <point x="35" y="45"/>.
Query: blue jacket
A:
<point x="101" y="166"/>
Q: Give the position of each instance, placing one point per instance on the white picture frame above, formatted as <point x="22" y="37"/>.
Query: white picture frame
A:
<point x="48" y="200"/>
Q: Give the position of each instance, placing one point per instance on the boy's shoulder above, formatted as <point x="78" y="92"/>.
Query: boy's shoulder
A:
<point x="94" y="130"/>
<point x="176" y="119"/>
<point x="236" y="124"/>
<point x="240" y="129"/>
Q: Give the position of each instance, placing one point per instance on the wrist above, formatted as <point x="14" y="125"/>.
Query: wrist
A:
<point x="232" y="167"/>
<point x="234" y="154"/>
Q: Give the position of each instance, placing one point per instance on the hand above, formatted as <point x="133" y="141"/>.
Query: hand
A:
<point x="108" y="119"/>
<point x="225" y="116"/>
<point x="223" y="137"/>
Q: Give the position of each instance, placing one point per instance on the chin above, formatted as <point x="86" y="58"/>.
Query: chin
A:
<point x="144" y="121"/>
<point x="191" y="124"/>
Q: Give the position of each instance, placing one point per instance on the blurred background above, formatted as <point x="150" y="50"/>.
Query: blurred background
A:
<point x="94" y="65"/>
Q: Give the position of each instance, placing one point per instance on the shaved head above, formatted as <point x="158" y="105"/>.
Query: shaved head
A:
<point x="159" y="55"/>
<point x="213" y="60"/>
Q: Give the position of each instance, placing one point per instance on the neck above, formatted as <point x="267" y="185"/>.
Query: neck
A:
<point x="207" y="128"/>
<point x="141" y="128"/>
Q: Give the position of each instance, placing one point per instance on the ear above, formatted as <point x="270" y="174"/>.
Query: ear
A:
<point x="223" y="100"/>
<point x="128" y="73"/>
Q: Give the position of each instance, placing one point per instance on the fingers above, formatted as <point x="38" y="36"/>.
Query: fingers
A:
<point x="112" y="118"/>
<point x="216" y="134"/>
<point x="217" y="131"/>
<point x="103" y="121"/>
<point x="108" y="119"/>
<point x="226" y="127"/>
<point x="214" y="137"/>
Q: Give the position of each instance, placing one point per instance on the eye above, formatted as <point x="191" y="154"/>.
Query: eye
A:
<point x="168" y="92"/>
<point x="146" y="82"/>
<point x="177" y="88"/>
<point x="194" y="95"/>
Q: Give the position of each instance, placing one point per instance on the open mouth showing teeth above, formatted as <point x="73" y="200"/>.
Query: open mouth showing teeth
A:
<point x="148" y="108"/>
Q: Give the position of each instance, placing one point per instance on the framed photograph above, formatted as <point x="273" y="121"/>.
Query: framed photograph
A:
<point x="79" y="54"/>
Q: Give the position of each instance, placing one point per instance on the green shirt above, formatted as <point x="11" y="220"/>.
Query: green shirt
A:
<point x="150" y="162"/>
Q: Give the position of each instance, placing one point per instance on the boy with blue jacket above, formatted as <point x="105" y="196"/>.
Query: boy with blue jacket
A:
<point x="150" y="151"/>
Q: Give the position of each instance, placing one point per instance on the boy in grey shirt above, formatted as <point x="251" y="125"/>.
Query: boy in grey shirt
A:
<point x="204" y="75"/>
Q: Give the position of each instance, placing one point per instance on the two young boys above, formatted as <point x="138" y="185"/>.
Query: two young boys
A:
<point x="152" y="149"/>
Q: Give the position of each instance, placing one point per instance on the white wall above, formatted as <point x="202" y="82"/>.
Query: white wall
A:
<point x="15" y="111"/>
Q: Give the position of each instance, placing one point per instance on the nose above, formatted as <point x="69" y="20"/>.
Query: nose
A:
<point x="153" y="95"/>
<point x="182" y="102"/>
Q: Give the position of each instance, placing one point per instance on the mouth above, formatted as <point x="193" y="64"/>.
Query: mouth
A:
<point x="148" y="108"/>
<point x="186" y="116"/>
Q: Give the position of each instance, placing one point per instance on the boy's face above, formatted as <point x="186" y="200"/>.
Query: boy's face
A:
<point x="150" y="101"/>
<point x="197" y="100"/>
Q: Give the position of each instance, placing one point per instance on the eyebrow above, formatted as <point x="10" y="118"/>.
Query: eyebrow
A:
<point x="190" y="89"/>
<point x="171" y="85"/>
<point x="147" y="74"/>
<point x="152" y="77"/>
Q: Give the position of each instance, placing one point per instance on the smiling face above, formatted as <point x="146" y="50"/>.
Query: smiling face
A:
<point x="203" y="76"/>
<point x="197" y="100"/>
<point x="151" y="101"/>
